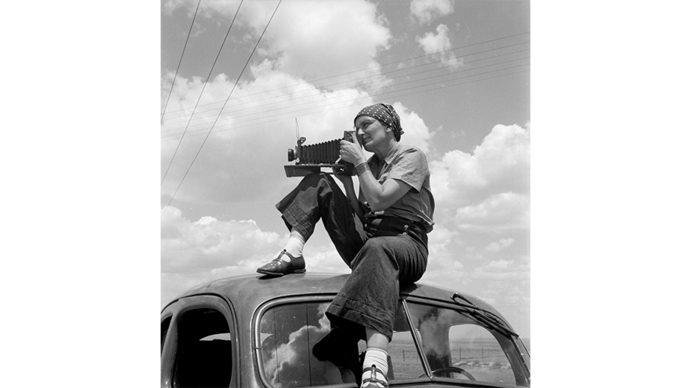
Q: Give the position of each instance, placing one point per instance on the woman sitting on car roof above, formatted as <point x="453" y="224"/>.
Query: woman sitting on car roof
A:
<point x="380" y="234"/>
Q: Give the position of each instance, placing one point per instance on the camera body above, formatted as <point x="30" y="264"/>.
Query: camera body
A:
<point x="319" y="157"/>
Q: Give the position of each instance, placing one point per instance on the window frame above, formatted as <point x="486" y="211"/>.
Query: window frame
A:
<point x="176" y="311"/>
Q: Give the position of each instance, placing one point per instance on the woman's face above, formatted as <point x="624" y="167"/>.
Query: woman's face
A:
<point x="371" y="132"/>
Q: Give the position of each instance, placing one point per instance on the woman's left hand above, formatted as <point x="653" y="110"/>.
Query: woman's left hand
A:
<point x="352" y="152"/>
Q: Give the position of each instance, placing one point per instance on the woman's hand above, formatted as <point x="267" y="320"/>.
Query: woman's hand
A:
<point x="352" y="152"/>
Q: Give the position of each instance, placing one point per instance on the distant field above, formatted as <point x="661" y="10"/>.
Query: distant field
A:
<point x="482" y="358"/>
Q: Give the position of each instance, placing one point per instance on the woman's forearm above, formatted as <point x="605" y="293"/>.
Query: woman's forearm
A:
<point x="379" y="196"/>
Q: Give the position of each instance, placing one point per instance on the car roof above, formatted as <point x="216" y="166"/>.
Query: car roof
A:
<point x="256" y="289"/>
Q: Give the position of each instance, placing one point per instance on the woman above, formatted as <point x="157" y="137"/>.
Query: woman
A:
<point x="381" y="235"/>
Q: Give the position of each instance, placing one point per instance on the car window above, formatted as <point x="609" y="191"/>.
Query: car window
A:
<point x="457" y="346"/>
<point x="204" y="352"/>
<point x="404" y="362"/>
<point x="288" y="334"/>
<point x="475" y="350"/>
<point x="297" y="349"/>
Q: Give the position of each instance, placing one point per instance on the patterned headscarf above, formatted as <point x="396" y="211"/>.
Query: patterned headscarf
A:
<point x="385" y="114"/>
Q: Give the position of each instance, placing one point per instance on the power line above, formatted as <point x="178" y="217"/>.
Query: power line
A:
<point x="392" y="94"/>
<point x="378" y="75"/>
<point x="181" y="56"/>
<point x="310" y="105"/>
<point x="446" y="77"/>
<point x="284" y="98"/>
<point x="214" y="123"/>
<point x="390" y="64"/>
<point x="321" y="109"/>
<point x="202" y="90"/>
<point x="264" y="111"/>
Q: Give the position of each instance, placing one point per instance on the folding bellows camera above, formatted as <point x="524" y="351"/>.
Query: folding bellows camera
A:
<point x="319" y="157"/>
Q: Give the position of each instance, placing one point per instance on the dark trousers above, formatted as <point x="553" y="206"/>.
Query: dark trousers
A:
<point x="382" y="255"/>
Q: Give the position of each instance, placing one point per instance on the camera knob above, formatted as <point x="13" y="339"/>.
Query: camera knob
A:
<point x="291" y="155"/>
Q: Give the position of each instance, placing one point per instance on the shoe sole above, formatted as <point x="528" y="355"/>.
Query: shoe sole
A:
<point x="280" y="273"/>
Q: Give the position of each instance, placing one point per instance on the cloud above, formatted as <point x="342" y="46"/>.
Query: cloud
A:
<point x="209" y="244"/>
<point x="193" y="252"/>
<point x="324" y="258"/>
<point x="500" y="164"/>
<point x="504" y="269"/>
<point x="309" y="38"/>
<point x="334" y="37"/>
<point x="243" y="157"/>
<point x="445" y="265"/>
<point x="425" y="11"/>
<point x="504" y="211"/>
<point x="439" y="44"/>
<point x="482" y="196"/>
<point x="505" y="284"/>
<point x="416" y="131"/>
<point x="286" y="361"/>
<point x="500" y="245"/>
<point x="435" y="43"/>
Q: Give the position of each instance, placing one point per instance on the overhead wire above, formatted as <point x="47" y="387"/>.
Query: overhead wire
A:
<point x="374" y="67"/>
<point x="230" y="94"/>
<point x="277" y="101"/>
<point x="319" y="109"/>
<point x="202" y="90"/>
<point x="330" y="108"/>
<point x="252" y="117"/>
<point x="357" y="80"/>
<point x="265" y="110"/>
<point x="180" y="63"/>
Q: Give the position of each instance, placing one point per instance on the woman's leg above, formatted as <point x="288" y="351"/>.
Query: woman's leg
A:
<point x="376" y="339"/>
<point x="369" y="298"/>
<point x="318" y="197"/>
<point x="375" y="365"/>
<point x="367" y="304"/>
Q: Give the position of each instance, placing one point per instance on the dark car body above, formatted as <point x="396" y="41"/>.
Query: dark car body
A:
<point x="254" y="331"/>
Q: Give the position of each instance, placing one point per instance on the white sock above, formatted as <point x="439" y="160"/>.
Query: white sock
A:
<point x="378" y="357"/>
<point x="294" y="245"/>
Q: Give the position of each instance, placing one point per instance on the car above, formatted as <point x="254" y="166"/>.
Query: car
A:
<point x="272" y="332"/>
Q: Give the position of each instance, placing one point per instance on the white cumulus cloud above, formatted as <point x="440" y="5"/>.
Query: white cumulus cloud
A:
<point x="500" y="245"/>
<point x="335" y="37"/>
<point x="439" y="43"/>
<point x="425" y="11"/>
<point x="193" y="246"/>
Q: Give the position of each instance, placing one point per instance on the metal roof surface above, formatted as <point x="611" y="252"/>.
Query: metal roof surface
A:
<point x="253" y="290"/>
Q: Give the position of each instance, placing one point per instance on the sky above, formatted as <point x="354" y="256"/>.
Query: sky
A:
<point x="456" y="71"/>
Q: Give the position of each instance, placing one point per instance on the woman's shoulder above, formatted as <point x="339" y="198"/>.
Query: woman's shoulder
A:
<point x="410" y="157"/>
<point x="405" y="150"/>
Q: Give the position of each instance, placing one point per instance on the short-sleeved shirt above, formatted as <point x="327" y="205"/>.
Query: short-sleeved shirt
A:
<point x="407" y="164"/>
